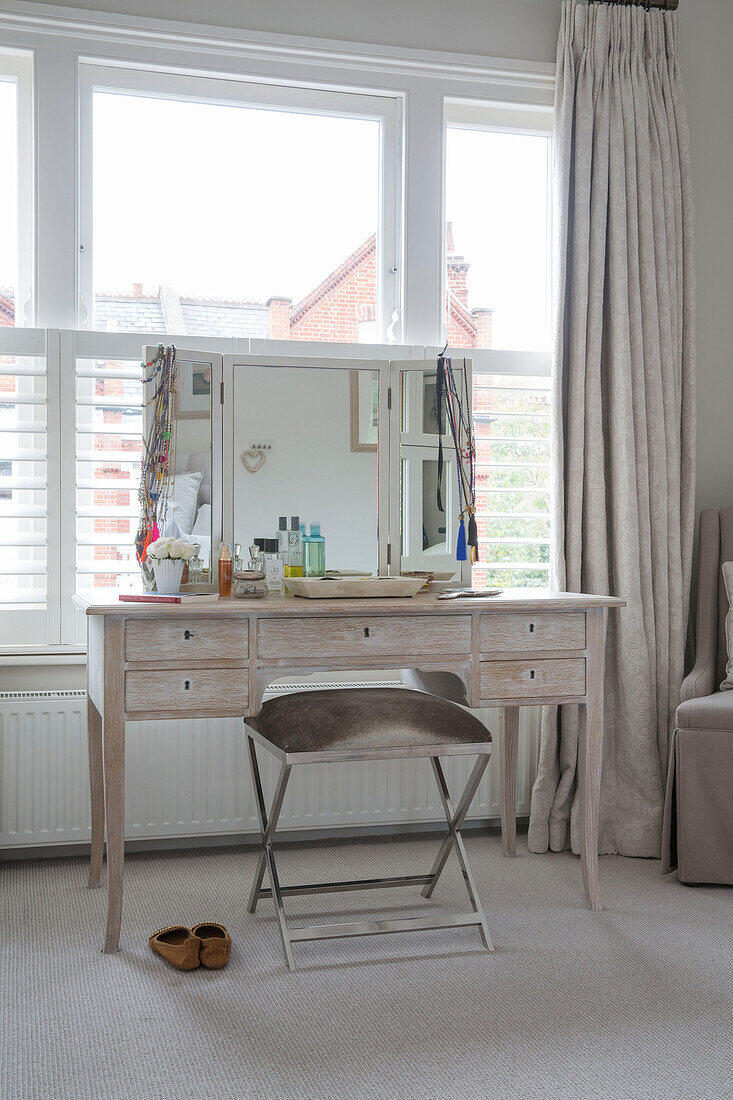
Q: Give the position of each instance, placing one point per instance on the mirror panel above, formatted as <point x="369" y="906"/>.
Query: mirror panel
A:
<point x="194" y="503"/>
<point x="427" y="535"/>
<point x="305" y="443"/>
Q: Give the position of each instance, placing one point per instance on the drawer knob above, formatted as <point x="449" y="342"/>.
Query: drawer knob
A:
<point x="187" y="684"/>
<point x="531" y="674"/>
<point x="187" y="634"/>
<point x="366" y="631"/>
<point x="531" y="628"/>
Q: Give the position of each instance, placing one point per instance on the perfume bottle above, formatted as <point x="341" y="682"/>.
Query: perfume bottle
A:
<point x="282" y="536"/>
<point x="237" y="562"/>
<point x="294" y="555"/>
<point x="314" y="553"/>
<point x="225" y="571"/>
<point x="274" y="566"/>
<point x="196" y="566"/>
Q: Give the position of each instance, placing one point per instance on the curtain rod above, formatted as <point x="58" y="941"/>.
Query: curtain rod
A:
<point x="665" y="5"/>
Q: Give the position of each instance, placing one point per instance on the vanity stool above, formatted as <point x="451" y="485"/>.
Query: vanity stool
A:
<point x="337" y="725"/>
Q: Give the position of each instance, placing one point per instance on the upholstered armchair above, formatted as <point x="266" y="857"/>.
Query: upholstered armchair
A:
<point x="698" y="813"/>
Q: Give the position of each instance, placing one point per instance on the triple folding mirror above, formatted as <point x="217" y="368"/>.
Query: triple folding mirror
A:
<point x="350" y="445"/>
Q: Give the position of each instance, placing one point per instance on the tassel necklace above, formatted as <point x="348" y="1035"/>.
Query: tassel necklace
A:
<point x="460" y="423"/>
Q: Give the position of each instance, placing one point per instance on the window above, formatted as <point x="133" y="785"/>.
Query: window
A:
<point x="109" y="443"/>
<point x="16" y="189"/>
<point x="225" y="209"/>
<point x="497" y="201"/>
<point x="512" y="417"/>
<point x="28" y="501"/>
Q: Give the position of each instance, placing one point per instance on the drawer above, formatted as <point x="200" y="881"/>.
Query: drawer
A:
<point x="186" y="640"/>
<point x="541" y="679"/>
<point x="527" y="633"/>
<point x="364" y="636"/>
<point x="190" y="693"/>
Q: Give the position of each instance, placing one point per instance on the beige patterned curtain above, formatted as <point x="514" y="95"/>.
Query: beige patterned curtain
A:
<point x="624" y="405"/>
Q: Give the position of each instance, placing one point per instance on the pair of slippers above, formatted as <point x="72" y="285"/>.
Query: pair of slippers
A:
<point x="206" y="945"/>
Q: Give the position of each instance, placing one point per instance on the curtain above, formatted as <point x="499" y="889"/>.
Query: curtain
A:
<point x="623" y="428"/>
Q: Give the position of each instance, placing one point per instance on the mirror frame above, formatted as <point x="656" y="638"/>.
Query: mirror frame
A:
<point x="214" y="362"/>
<point x="396" y="369"/>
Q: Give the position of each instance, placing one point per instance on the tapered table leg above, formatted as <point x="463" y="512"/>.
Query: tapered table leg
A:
<point x="508" y="742"/>
<point x="114" y="775"/>
<point x="96" y="792"/>
<point x="590" y="755"/>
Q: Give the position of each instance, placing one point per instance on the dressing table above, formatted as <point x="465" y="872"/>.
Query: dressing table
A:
<point x="157" y="661"/>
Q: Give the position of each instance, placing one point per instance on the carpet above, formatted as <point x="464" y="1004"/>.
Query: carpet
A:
<point x="636" y="1001"/>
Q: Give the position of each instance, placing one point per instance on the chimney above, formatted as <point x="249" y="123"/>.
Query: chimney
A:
<point x="137" y="290"/>
<point x="484" y="323"/>
<point x="457" y="272"/>
<point x="279" y="317"/>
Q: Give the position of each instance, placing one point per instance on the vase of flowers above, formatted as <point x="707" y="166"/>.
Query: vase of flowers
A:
<point x="168" y="556"/>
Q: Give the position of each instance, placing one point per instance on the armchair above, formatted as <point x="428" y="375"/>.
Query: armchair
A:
<point x="697" y="835"/>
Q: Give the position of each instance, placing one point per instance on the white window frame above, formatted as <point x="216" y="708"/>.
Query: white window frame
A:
<point x="384" y="110"/>
<point x="66" y="46"/>
<point x="17" y="66"/>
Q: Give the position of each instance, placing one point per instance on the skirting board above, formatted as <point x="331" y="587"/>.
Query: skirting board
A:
<point x="190" y="779"/>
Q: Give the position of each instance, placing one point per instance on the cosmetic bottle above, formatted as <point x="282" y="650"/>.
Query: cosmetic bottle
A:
<point x="314" y="553"/>
<point x="294" y="556"/>
<point x="225" y="571"/>
<point x="196" y="566"/>
<point x="274" y="566"/>
<point x="237" y="562"/>
<point x="282" y="536"/>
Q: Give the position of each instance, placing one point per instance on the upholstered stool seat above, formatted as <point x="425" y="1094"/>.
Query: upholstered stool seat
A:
<point x="368" y="721"/>
<point x="366" y="724"/>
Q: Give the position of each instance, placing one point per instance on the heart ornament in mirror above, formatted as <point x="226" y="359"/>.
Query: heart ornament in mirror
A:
<point x="253" y="460"/>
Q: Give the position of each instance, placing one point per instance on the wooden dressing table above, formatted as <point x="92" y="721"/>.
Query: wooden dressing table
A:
<point x="215" y="659"/>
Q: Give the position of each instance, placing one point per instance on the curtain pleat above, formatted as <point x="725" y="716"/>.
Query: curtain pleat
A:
<point x="623" y="422"/>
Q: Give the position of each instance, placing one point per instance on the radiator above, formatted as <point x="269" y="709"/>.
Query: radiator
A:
<point x="191" y="778"/>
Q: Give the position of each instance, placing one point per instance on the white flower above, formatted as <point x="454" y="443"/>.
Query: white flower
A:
<point x="159" y="549"/>
<point x="189" y="551"/>
<point x="176" y="548"/>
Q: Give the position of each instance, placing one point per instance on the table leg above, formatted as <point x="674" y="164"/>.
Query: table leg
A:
<point x="590" y="755"/>
<point x="508" y="740"/>
<point x="114" y="775"/>
<point x="96" y="792"/>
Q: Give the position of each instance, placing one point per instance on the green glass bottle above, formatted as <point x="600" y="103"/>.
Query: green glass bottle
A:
<point x="314" y="557"/>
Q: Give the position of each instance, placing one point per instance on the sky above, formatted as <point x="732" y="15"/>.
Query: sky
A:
<point x="232" y="202"/>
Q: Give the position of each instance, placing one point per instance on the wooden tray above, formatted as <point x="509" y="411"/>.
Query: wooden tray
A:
<point x="343" y="588"/>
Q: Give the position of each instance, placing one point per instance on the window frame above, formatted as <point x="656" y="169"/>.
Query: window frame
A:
<point x="63" y="46"/>
<point x="244" y="91"/>
<point x="17" y="65"/>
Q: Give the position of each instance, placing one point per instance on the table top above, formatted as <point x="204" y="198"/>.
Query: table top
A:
<point x="511" y="599"/>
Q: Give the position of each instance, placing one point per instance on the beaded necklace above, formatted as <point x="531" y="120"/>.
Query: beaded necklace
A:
<point x="460" y="423"/>
<point x="157" y="461"/>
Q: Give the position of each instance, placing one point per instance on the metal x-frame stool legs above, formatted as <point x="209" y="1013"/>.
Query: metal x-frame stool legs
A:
<point x="293" y="934"/>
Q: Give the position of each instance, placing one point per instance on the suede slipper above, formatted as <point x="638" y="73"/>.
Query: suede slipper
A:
<point x="177" y="945"/>
<point x="216" y="944"/>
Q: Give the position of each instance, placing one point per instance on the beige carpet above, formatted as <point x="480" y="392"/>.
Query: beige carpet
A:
<point x="633" y="1002"/>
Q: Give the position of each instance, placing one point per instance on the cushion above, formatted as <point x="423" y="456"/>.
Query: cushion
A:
<point x="709" y="712"/>
<point x="182" y="500"/>
<point x="727" y="571"/>
<point x="202" y="526"/>
<point x="201" y="460"/>
<point x="369" y="721"/>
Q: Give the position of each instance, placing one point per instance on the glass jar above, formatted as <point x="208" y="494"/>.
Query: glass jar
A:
<point x="249" y="584"/>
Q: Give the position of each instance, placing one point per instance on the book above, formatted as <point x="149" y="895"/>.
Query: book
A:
<point x="148" y="597"/>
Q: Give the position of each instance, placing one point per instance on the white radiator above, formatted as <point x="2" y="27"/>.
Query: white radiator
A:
<point x="191" y="778"/>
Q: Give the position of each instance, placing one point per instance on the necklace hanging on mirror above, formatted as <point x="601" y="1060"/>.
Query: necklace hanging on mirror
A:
<point x="455" y="400"/>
